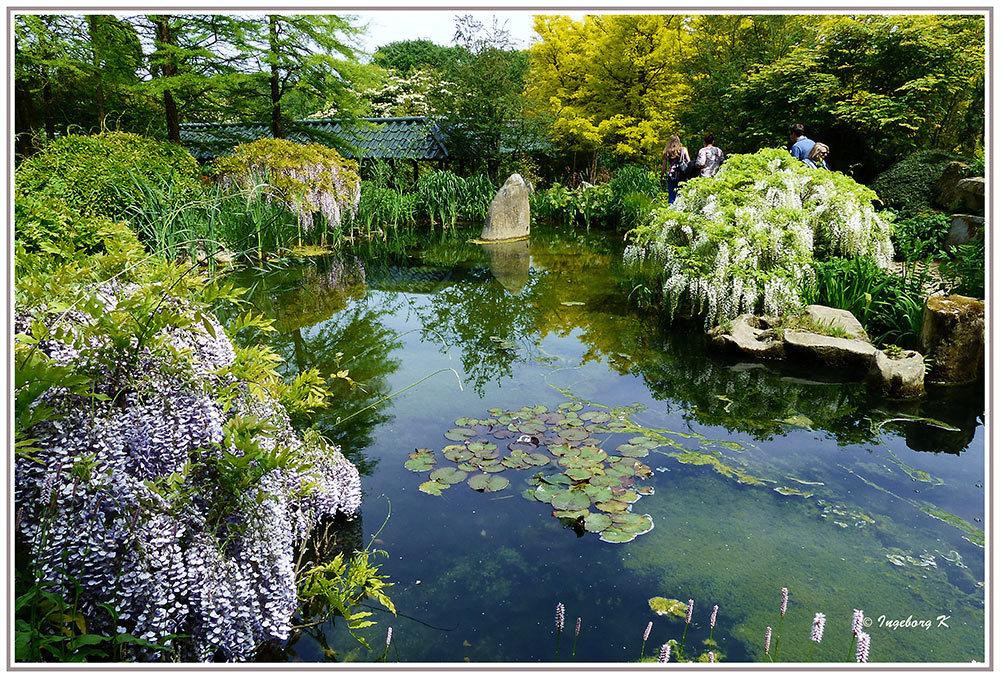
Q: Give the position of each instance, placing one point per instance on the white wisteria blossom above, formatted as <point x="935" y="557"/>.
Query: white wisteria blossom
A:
<point x="744" y="240"/>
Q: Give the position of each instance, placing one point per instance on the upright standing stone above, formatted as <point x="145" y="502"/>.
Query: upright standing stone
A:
<point x="509" y="217"/>
<point x="953" y="335"/>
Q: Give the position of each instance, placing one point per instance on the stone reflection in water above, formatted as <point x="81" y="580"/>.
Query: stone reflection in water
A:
<point x="510" y="263"/>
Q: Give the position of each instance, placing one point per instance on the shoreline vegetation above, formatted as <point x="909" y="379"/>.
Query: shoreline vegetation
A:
<point x="170" y="487"/>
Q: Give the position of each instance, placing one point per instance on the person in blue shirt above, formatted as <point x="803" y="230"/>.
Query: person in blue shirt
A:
<point x="801" y="144"/>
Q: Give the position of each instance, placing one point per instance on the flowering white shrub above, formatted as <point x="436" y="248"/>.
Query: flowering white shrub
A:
<point x="171" y="498"/>
<point x="744" y="240"/>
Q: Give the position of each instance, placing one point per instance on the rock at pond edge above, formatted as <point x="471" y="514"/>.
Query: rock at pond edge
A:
<point x="509" y="215"/>
<point x="953" y="335"/>
<point x="897" y="377"/>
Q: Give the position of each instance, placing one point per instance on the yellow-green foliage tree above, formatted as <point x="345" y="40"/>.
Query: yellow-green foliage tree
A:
<point x="610" y="81"/>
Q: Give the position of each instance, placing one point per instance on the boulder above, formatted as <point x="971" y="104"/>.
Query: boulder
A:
<point x="972" y="193"/>
<point x="509" y="216"/>
<point x="946" y="189"/>
<point x="853" y="356"/>
<point x="836" y="318"/>
<point x="952" y="334"/>
<point x="964" y="228"/>
<point x="751" y="336"/>
<point x="901" y="377"/>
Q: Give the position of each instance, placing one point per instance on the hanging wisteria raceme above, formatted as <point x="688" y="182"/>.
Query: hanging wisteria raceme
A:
<point x="127" y="493"/>
<point x="308" y="179"/>
<point x="744" y="240"/>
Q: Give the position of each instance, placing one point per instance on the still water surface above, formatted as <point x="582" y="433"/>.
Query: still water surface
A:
<point x="881" y="515"/>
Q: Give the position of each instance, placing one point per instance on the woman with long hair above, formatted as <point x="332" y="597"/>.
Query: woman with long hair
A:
<point x="675" y="162"/>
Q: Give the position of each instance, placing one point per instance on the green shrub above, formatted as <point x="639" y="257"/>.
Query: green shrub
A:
<point x="966" y="272"/>
<point x="308" y="179"/>
<point x="908" y="186"/>
<point x="632" y="179"/>
<point x="94" y="174"/>
<point x="921" y="236"/>
<point x="977" y="166"/>
<point x="744" y="240"/>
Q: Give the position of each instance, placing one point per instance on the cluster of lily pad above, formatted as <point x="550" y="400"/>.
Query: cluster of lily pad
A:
<point x="592" y="490"/>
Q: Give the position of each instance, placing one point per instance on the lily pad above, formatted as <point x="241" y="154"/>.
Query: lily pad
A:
<point x="532" y="427"/>
<point x="487" y="483"/>
<point x="597" y="522"/>
<point x="632" y="522"/>
<point x="627" y="496"/>
<point x="420" y="461"/>
<point x="604" y="481"/>
<point x="465" y="422"/>
<point x="492" y="467"/>
<point x="557" y="479"/>
<point x="645" y="491"/>
<point x="545" y="493"/>
<point x="449" y="475"/>
<point x="579" y="474"/>
<point x="668" y="606"/>
<point x="480" y="446"/>
<point x="570" y="407"/>
<point x="574" y="434"/>
<point x="614" y="535"/>
<point x="516" y="461"/>
<point x="457" y="453"/>
<point x="572" y="515"/>
<point x="643" y="441"/>
<point x="629" y="450"/>
<point x="612" y="506"/>
<point x="468" y="466"/>
<point x="596" y="417"/>
<point x="559" y="450"/>
<point x="598" y="494"/>
<point x="570" y="500"/>
<point x="457" y="434"/>
<point x="537" y="459"/>
<point x="433" y="487"/>
<point x="504" y="433"/>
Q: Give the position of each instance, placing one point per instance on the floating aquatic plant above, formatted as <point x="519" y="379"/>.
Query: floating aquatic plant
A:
<point x="594" y="490"/>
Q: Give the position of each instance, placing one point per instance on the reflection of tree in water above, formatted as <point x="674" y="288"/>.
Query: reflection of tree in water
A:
<point x="326" y="320"/>
<point x="488" y="324"/>
<point x="356" y="340"/>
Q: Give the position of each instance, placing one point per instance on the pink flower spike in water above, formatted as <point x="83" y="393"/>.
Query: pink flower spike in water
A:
<point x="864" y="645"/>
<point x="711" y="657"/>
<point x="859" y="622"/>
<point x="560" y="617"/>
<point x="784" y="600"/>
<point x="711" y="621"/>
<point x="819" y="623"/>
<point x="388" y="636"/>
<point x="578" y="622"/>
<point x="645" y="635"/>
<point x="767" y="640"/>
<point x="664" y="653"/>
<point x="690" y="610"/>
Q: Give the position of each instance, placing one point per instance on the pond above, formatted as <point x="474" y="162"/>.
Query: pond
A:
<point x="752" y="477"/>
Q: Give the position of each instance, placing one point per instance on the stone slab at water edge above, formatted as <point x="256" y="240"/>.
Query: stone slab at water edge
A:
<point x="509" y="216"/>
<point x="828" y="338"/>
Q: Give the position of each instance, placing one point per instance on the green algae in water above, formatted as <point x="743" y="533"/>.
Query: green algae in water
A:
<point x="972" y="533"/>
<point x="792" y="492"/>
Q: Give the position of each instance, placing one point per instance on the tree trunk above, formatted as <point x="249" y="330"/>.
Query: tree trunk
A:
<point x="276" y="130"/>
<point x="166" y="38"/>
<point x="96" y="61"/>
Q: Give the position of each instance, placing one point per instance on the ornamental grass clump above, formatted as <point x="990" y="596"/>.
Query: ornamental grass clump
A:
<point x="744" y="241"/>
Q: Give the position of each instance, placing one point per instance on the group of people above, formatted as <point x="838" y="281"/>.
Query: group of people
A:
<point x="677" y="166"/>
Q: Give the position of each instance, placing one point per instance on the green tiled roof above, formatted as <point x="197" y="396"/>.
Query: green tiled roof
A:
<point x="407" y="138"/>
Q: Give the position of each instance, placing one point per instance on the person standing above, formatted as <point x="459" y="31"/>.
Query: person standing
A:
<point x="817" y="156"/>
<point x="801" y="144"/>
<point x="675" y="163"/>
<point x="709" y="158"/>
